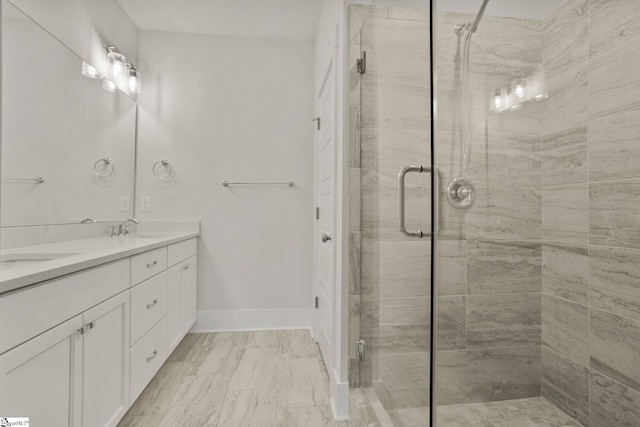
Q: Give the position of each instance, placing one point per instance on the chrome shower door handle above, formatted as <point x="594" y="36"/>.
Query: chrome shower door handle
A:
<point x="401" y="176"/>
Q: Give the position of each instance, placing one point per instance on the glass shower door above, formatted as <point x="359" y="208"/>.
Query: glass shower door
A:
<point x="392" y="105"/>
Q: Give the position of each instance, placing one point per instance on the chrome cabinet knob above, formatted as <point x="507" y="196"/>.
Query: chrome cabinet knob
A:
<point x="325" y="237"/>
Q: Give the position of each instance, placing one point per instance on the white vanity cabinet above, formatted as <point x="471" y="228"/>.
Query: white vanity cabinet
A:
<point x="105" y="362"/>
<point x="78" y="350"/>
<point x="149" y="303"/>
<point x="76" y="373"/>
<point x="40" y="378"/>
<point x="182" y="288"/>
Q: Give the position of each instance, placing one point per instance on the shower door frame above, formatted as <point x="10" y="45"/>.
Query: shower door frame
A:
<point x="436" y="199"/>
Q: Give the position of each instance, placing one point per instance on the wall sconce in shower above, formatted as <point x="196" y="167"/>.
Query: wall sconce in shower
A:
<point x="133" y="81"/>
<point x="89" y="71"/>
<point x="116" y="61"/>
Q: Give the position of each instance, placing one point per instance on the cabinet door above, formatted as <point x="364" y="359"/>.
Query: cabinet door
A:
<point x="106" y="362"/>
<point x="174" y="306"/>
<point x="40" y="378"/>
<point x="189" y="293"/>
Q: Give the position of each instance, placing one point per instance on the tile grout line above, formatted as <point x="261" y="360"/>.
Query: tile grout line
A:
<point x="224" y="399"/>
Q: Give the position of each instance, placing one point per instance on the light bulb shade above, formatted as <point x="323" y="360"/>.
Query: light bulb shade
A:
<point x="498" y="101"/>
<point x="133" y="83"/>
<point x="89" y="71"/>
<point x="109" y="86"/>
<point x="117" y="62"/>
<point x="519" y="88"/>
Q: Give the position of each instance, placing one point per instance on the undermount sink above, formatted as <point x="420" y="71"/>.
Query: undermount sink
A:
<point x="21" y="259"/>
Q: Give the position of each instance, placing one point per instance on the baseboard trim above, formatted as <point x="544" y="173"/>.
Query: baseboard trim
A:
<point x="252" y="320"/>
<point x="339" y="399"/>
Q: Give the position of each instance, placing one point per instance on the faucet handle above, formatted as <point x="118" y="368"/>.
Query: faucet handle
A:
<point x="125" y="230"/>
<point x="113" y="230"/>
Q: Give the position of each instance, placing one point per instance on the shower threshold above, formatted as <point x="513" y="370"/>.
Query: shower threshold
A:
<point x="528" y="412"/>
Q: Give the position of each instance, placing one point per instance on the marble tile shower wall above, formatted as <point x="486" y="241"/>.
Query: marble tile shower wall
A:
<point x="390" y="129"/>
<point x="591" y="212"/>
<point x="356" y="15"/>
<point x="490" y="260"/>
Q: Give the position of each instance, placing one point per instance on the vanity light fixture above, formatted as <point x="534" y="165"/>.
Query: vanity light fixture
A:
<point x="109" y="86"/>
<point x="89" y="71"/>
<point x="512" y="97"/>
<point x="519" y="89"/>
<point x="497" y="101"/>
<point x="117" y="62"/>
<point x="133" y="81"/>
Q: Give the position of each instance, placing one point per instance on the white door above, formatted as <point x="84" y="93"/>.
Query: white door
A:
<point x="39" y="379"/>
<point x="105" y="362"/>
<point x="174" y="308"/>
<point x="325" y="238"/>
<point x="189" y="294"/>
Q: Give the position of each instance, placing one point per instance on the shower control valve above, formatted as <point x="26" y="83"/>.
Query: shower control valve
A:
<point x="461" y="193"/>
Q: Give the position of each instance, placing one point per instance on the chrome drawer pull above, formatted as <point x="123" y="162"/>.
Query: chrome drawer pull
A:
<point x="153" y="355"/>
<point x="91" y="325"/>
<point x="155" y="301"/>
<point x="186" y="267"/>
<point x="151" y="264"/>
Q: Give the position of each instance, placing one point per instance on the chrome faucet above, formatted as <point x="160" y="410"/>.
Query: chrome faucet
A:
<point x="88" y="220"/>
<point x="123" y="228"/>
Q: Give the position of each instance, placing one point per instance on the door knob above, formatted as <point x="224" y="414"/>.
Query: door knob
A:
<point x="325" y="237"/>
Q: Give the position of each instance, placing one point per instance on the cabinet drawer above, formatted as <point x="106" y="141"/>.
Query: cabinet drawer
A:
<point x="148" y="264"/>
<point x="147" y="356"/>
<point x="148" y="305"/>
<point x="182" y="250"/>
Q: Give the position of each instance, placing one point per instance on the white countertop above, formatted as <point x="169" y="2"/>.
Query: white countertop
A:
<point x="84" y="253"/>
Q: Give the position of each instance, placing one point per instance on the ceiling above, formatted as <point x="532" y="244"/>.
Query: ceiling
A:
<point x="529" y="9"/>
<point x="282" y="19"/>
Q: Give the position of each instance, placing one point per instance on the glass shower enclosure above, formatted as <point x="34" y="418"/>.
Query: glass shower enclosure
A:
<point x="503" y="138"/>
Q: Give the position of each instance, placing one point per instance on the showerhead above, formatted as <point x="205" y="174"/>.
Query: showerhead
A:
<point x="475" y="24"/>
<point x="472" y="26"/>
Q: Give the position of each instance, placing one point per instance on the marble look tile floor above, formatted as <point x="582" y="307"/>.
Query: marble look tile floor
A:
<point x="278" y="378"/>
<point x="244" y="379"/>
<point x="529" y="412"/>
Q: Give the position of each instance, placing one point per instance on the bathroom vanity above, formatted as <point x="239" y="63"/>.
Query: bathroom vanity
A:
<point x="86" y="324"/>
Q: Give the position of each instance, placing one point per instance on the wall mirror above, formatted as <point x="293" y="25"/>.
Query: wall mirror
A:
<point x="68" y="145"/>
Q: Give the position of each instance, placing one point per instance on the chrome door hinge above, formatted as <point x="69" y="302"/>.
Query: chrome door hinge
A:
<point x="361" y="63"/>
<point x="361" y="350"/>
<point x="317" y="119"/>
<point x="317" y="212"/>
<point x="317" y="303"/>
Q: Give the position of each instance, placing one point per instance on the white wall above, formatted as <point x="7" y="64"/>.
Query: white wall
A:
<point x="233" y="108"/>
